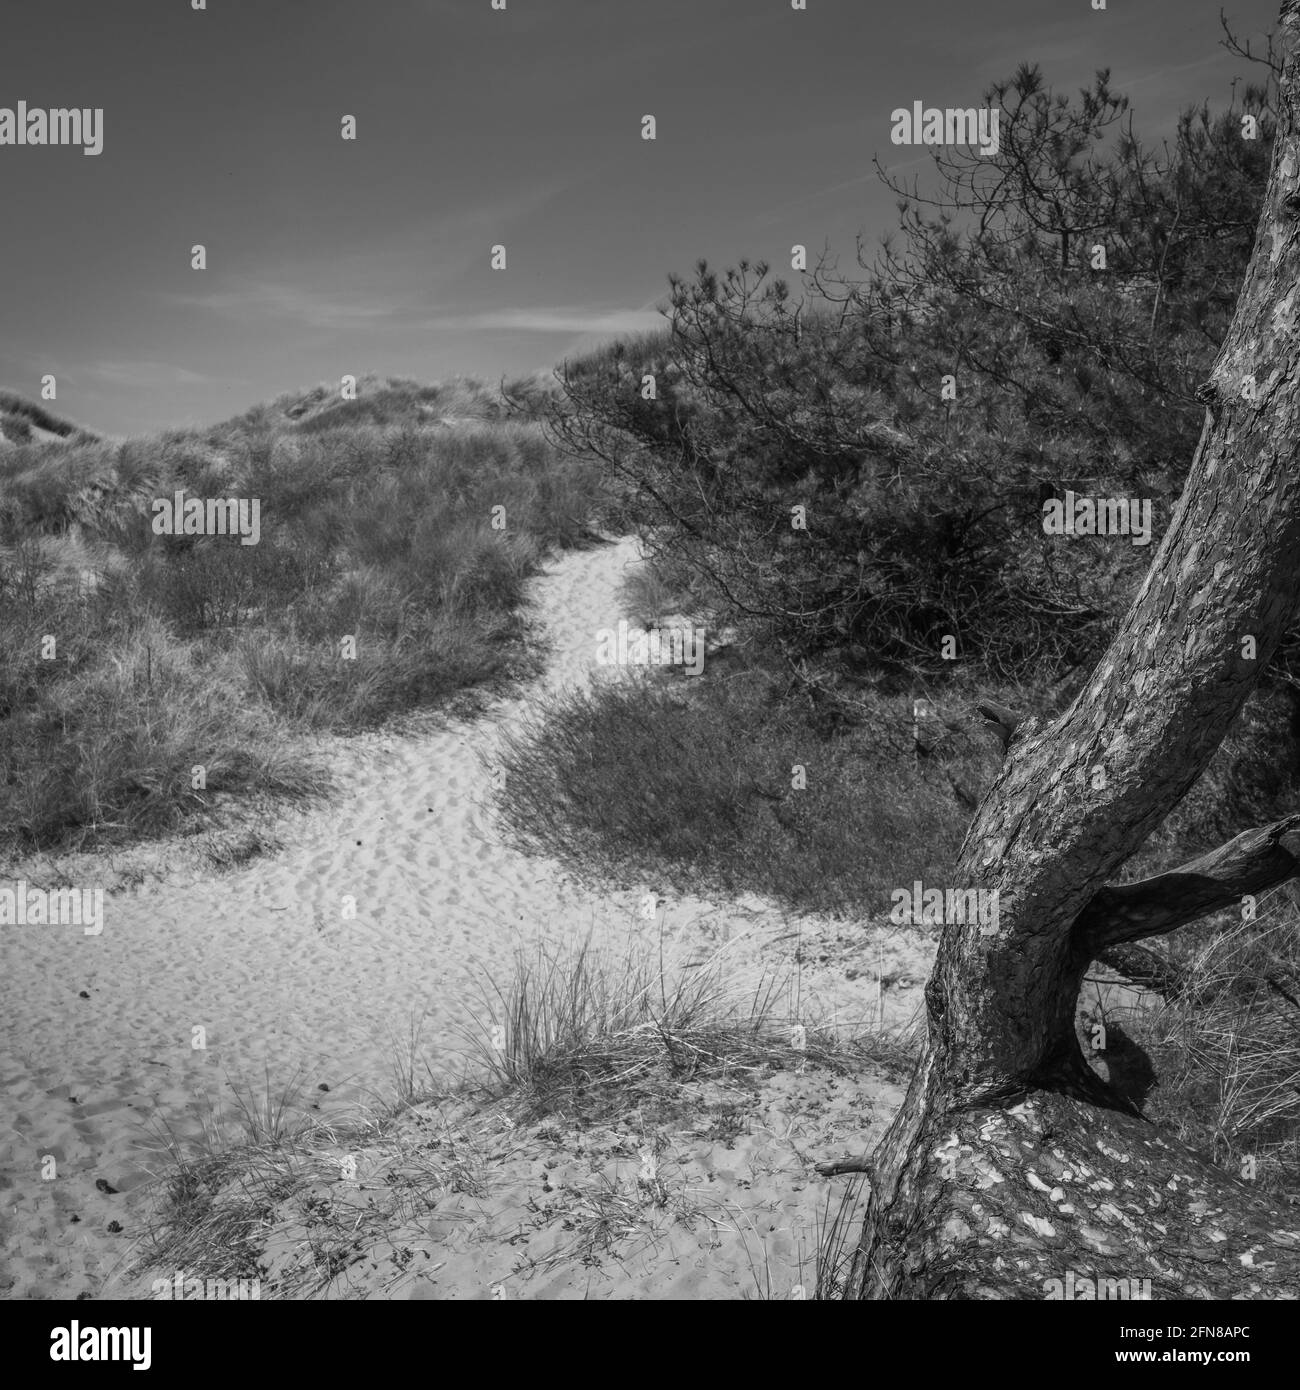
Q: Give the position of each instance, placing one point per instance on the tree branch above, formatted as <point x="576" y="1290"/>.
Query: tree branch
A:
<point x="834" y="1167"/>
<point x="1253" y="861"/>
<point x="1001" y="721"/>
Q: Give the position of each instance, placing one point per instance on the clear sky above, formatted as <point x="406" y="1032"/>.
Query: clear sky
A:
<point x="474" y="127"/>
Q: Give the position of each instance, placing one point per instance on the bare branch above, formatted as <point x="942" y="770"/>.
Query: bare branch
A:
<point x="835" y="1167"/>
<point x="1253" y="861"/>
<point x="1001" y="721"/>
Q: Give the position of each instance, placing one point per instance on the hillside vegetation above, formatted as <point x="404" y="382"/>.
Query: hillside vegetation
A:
<point x="25" y="422"/>
<point x="377" y="584"/>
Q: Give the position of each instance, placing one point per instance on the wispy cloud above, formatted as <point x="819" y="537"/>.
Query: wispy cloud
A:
<point x="295" y="303"/>
<point x="380" y="302"/>
<point x="326" y="309"/>
<point x="1206" y="61"/>
<point x="139" y="374"/>
<point x="559" y="320"/>
<point x="780" y="210"/>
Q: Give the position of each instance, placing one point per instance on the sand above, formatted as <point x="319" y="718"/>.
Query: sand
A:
<point x="96" y="1033"/>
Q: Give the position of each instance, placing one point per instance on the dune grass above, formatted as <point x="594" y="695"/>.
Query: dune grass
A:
<point x="214" y="1193"/>
<point x="389" y="575"/>
<point x="571" y="1039"/>
<point x="700" y="781"/>
<point x="576" y="1033"/>
<point x="19" y="417"/>
<point x="1224" y="1042"/>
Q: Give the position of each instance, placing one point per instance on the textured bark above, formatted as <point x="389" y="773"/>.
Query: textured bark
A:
<point x="1001" y="1067"/>
<point x="1043" y="1185"/>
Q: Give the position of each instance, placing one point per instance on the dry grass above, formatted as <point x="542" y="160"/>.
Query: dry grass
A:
<point x="694" y="782"/>
<point x="180" y="651"/>
<point x="1226" y="1046"/>
<point x="577" y="1034"/>
<point x="837" y="1239"/>
<point x="273" y="1192"/>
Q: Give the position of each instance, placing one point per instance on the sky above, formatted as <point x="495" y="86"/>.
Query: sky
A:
<point x="476" y="127"/>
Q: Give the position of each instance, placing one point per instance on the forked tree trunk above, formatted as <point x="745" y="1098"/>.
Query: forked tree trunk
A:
<point x="1011" y="1164"/>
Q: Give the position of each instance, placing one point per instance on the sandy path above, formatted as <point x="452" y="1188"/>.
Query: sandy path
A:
<point x="265" y="962"/>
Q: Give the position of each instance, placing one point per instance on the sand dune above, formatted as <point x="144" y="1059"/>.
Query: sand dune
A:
<point x="96" y="1032"/>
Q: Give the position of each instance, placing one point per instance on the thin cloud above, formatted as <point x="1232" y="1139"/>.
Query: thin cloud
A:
<point x="559" y="320"/>
<point x="326" y="309"/>
<point x="140" y="374"/>
<point x="313" y="308"/>
<point x="770" y="215"/>
<point x="359" y="288"/>
<point x="1207" y="61"/>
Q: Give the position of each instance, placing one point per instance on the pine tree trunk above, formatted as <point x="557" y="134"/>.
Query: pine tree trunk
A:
<point x="1011" y="1162"/>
